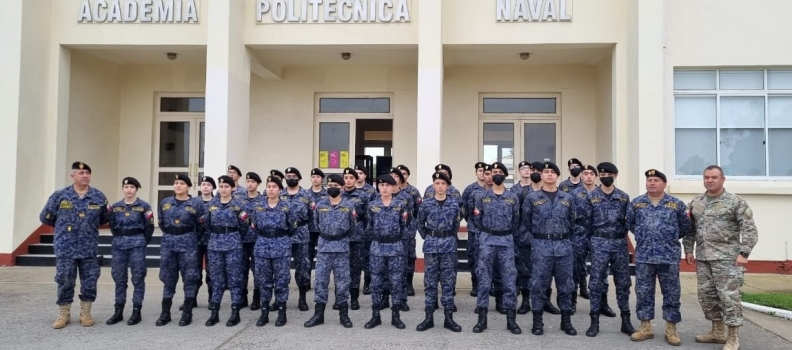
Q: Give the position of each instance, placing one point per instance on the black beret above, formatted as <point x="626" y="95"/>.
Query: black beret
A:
<point x="317" y="171"/>
<point x="592" y="168"/>
<point x="81" y="166"/>
<point x="278" y="173"/>
<point x="276" y="180"/>
<point x="294" y="171"/>
<point x="551" y="165"/>
<point x="350" y="171"/>
<point x="574" y="161"/>
<point x="523" y="163"/>
<point x="404" y="167"/>
<point x="656" y="173"/>
<point x="537" y="165"/>
<point x="480" y="165"/>
<point x="487" y="167"/>
<point x="253" y="176"/>
<point x="225" y="179"/>
<point x="386" y="179"/>
<point x="336" y="178"/>
<point x="184" y="178"/>
<point x="607" y="167"/>
<point x="501" y="166"/>
<point x="130" y="181"/>
<point x="441" y="176"/>
<point x="447" y="168"/>
<point x="398" y="173"/>
<point x="361" y="168"/>
<point x="234" y="168"/>
<point x="210" y="180"/>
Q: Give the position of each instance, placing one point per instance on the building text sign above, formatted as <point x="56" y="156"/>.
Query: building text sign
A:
<point x="138" y="11"/>
<point x="329" y="11"/>
<point x="533" y="10"/>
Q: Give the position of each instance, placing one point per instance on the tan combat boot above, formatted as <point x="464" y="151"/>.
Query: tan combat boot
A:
<point x="644" y="332"/>
<point x="64" y="316"/>
<point x="733" y="341"/>
<point x="716" y="335"/>
<point x="671" y="334"/>
<point x="85" y="314"/>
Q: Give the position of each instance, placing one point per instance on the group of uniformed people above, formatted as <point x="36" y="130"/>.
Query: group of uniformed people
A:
<point x="519" y="240"/>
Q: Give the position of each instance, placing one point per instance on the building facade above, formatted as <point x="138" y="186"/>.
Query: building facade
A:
<point x="149" y="88"/>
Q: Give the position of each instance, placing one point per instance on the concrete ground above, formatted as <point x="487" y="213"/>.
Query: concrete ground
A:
<point x="27" y="306"/>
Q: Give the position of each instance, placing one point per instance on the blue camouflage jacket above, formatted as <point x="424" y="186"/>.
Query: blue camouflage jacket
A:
<point x="438" y="225"/>
<point x="248" y="204"/>
<point x="387" y="223"/>
<point x="267" y="222"/>
<point x="132" y="225"/>
<point x="76" y="221"/>
<point x="601" y="213"/>
<point x="541" y="216"/>
<point x="180" y="215"/>
<point x="336" y="223"/>
<point x="658" y="229"/>
<point x="497" y="217"/>
<point x="359" y="199"/>
<point x="301" y="204"/>
<point x="316" y="197"/>
<point x="226" y="223"/>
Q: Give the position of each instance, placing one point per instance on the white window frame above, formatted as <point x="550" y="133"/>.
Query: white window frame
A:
<point x="350" y="118"/>
<point x="718" y="93"/>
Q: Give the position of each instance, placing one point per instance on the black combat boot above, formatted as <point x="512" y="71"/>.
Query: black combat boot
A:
<point x="538" y="325"/>
<point x="135" y="318"/>
<point x="353" y="299"/>
<point x="255" y="304"/>
<point x="367" y="287"/>
<point x="165" y="316"/>
<point x="302" y="305"/>
<point x="449" y="322"/>
<point x="375" y="319"/>
<point x="428" y="322"/>
<point x="574" y="302"/>
<point x="318" y="317"/>
<point x="215" y="317"/>
<point x="410" y="289"/>
<point x="566" y="323"/>
<point x="549" y="307"/>
<point x="511" y="322"/>
<point x="186" y="317"/>
<point x="626" y="326"/>
<point x="499" y="302"/>
<point x="584" y="291"/>
<point x="474" y="287"/>
<point x="264" y="318"/>
<point x="281" y="320"/>
<point x="605" y="310"/>
<point x="208" y="295"/>
<point x="404" y="307"/>
<point x="385" y="304"/>
<point x="481" y="325"/>
<point x="194" y="304"/>
<point x="526" y="302"/>
<point x="234" y="319"/>
<point x="396" y="319"/>
<point x="118" y="316"/>
<point x="335" y="306"/>
<point x="594" y="328"/>
<point x="343" y="315"/>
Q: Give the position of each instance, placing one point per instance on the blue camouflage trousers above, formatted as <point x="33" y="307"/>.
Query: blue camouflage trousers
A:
<point x="203" y="256"/>
<point x="171" y="264"/>
<point x="248" y="266"/>
<point x="503" y="258"/>
<point x="66" y="277"/>
<point x="338" y="264"/>
<point x="124" y="260"/>
<point x="225" y="267"/>
<point x="440" y="267"/>
<point x="523" y="263"/>
<point x="610" y="252"/>
<point x="273" y="273"/>
<point x="302" y="264"/>
<point x="365" y="262"/>
<point x="357" y="258"/>
<point x="668" y="275"/>
<point x="472" y="254"/>
<point x="387" y="271"/>
<point x="546" y="268"/>
<point x="581" y="250"/>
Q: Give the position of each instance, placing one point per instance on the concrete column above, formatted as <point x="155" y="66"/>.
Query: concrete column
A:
<point x="227" y="87"/>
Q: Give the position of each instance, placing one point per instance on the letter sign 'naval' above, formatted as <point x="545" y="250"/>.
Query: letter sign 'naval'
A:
<point x="533" y="10"/>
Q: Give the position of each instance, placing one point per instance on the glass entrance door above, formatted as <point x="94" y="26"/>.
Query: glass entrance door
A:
<point x="180" y="150"/>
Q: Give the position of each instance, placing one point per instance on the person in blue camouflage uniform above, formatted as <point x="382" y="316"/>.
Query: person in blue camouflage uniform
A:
<point x="249" y="200"/>
<point x="409" y="204"/>
<point x="227" y="222"/>
<point x="360" y="200"/>
<point x="76" y="212"/>
<point x="548" y="221"/>
<point x="472" y="242"/>
<point x="387" y="225"/>
<point x="318" y="192"/>
<point x="522" y="250"/>
<point x="335" y="218"/>
<point x="602" y="219"/>
<point x="302" y="204"/>
<point x="179" y="218"/>
<point x="371" y="193"/>
<point x="132" y="225"/>
<point x="238" y="190"/>
<point x="438" y="222"/>
<point x="412" y="226"/>
<point x="496" y="213"/>
<point x="658" y="222"/>
<point x="274" y="222"/>
<point x="452" y="191"/>
<point x="207" y="188"/>
<point x="573" y="181"/>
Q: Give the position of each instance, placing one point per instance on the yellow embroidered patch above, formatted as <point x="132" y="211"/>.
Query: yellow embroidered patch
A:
<point x="539" y="202"/>
<point x="325" y="209"/>
<point x="64" y="204"/>
<point x="486" y="200"/>
<point x="509" y="200"/>
<point x="344" y="210"/>
<point x="191" y="210"/>
<point x="166" y="206"/>
<point x="671" y="205"/>
<point x="118" y="209"/>
<point x="375" y="209"/>
<point x="212" y="208"/>
<point x="94" y="206"/>
<point x="138" y="209"/>
<point x="564" y="202"/>
<point x="640" y="205"/>
<point x="595" y="200"/>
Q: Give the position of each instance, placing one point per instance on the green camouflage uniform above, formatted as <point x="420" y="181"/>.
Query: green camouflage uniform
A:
<point x="723" y="228"/>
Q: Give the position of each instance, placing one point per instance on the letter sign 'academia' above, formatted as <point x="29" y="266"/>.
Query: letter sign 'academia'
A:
<point x="333" y="11"/>
<point x="533" y="10"/>
<point x="138" y="11"/>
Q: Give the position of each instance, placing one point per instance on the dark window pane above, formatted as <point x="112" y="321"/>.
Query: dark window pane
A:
<point x="167" y="178"/>
<point x="695" y="150"/>
<point x="162" y="194"/>
<point x="333" y="145"/>
<point x="540" y="142"/>
<point x="182" y="104"/>
<point x="743" y="152"/>
<point x="174" y="144"/>
<point x="499" y="144"/>
<point x="354" y="105"/>
<point x="520" y="105"/>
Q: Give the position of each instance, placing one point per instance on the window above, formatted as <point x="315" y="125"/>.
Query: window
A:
<point x="524" y="105"/>
<point x="182" y="104"/>
<point x="354" y="105"/>
<point x="738" y="119"/>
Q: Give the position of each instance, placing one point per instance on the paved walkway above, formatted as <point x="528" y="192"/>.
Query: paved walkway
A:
<point x="27" y="296"/>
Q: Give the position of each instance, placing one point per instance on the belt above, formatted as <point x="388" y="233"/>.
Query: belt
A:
<point x="552" y="237"/>
<point x="497" y="233"/>
<point x="225" y="229"/>
<point x="612" y="235"/>
<point x="272" y="233"/>
<point x="440" y="234"/>
<point x="178" y="230"/>
<point x="332" y="237"/>
<point x="392" y="239"/>
<point x="302" y="223"/>
<point x="127" y="232"/>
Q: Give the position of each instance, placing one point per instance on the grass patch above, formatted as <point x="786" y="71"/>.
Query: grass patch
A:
<point x="778" y="301"/>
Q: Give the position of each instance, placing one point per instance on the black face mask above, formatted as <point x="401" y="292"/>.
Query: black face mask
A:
<point x="292" y="182"/>
<point x="536" y="177"/>
<point x="498" y="179"/>
<point x="606" y="181"/>
<point x="333" y="192"/>
<point x="575" y="171"/>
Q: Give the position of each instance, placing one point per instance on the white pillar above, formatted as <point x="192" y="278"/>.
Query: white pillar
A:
<point x="227" y="88"/>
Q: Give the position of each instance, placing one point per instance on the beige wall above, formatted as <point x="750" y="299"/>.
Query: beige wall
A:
<point x="605" y="131"/>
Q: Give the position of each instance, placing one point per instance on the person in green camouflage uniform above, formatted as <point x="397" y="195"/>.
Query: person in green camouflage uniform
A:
<point x="724" y="235"/>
